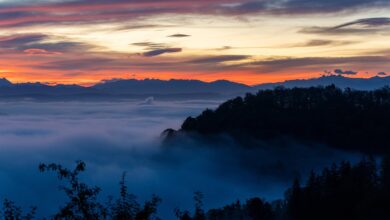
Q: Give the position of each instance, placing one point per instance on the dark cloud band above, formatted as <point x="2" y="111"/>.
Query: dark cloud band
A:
<point x="92" y="11"/>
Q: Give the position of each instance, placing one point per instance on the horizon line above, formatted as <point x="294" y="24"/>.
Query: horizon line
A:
<point x="178" y="79"/>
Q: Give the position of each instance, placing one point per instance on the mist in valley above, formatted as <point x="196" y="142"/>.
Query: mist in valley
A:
<point x="116" y="137"/>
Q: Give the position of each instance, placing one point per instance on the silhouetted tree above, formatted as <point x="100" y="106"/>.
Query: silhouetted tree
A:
<point x="257" y="209"/>
<point x="82" y="202"/>
<point x="340" y="192"/>
<point x="126" y="206"/>
<point x="199" y="213"/>
<point x="13" y="212"/>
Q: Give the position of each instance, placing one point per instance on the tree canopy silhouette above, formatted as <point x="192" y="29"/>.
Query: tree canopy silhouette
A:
<point x="83" y="203"/>
<point x="341" y="191"/>
<point x="347" y="119"/>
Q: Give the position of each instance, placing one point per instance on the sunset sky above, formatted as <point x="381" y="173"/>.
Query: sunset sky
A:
<point x="85" y="41"/>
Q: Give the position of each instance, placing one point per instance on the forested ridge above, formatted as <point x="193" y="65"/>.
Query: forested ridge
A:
<point x="342" y="191"/>
<point x="346" y="119"/>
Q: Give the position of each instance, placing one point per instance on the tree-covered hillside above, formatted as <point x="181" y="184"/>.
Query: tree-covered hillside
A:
<point x="343" y="191"/>
<point x="347" y="119"/>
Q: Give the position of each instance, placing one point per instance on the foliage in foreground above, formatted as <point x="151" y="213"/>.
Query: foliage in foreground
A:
<point x="83" y="203"/>
<point x="344" y="191"/>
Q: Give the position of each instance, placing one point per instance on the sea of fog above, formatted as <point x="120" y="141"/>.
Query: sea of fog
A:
<point x="117" y="137"/>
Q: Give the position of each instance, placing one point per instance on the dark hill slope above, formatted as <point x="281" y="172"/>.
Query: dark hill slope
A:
<point x="357" y="120"/>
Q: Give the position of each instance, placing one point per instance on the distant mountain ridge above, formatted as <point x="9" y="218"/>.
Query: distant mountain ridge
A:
<point x="174" y="88"/>
<point x="4" y="82"/>
<point x="126" y="88"/>
<point x="337" y="80"/>
<point x="33" y="89"/>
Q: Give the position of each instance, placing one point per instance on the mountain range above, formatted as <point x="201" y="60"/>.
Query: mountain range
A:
<point x="174" y="88"/>
<point x="126" y="89"/>
<point x="337" y="80"/>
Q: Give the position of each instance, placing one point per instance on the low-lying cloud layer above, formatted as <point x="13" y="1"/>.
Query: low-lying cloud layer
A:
<point x="124" y="136"/>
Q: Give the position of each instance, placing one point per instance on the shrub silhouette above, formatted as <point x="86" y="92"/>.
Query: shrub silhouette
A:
<point x="199" y="212"/>
<point x="83" y="203"/>
<point x="127" y="207"/>
<point x="12" y="212"/>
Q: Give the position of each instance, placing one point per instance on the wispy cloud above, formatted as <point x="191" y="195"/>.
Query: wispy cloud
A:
<point x="219" y="59"/>
<point x="366" y="22"/>
<point x="317" y="63"/>
<point x="35" y="51"/>
<point x="16" y="41"/>
<point x="88" y="63"/>
<point x="179" y="35"/>
<point x="319" y="43"/>
<point x="344" y="72"/>
<point x="296" y="7"/>
<point x="158" y="52"/>
<point x="80" y="11"/>
<point x="150" y="45"/>
<point x="23" y="42"/>
<point x="360" y="26"/>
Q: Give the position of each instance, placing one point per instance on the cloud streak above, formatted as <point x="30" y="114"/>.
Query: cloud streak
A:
<point x="344" y="72"/>
<point x="367" y="22"/>
<point x="359" y="26"/>
<point x="158" y="52"/>
<point x="16" y="41"/>
<point x="317" y="62"/>
<point x="179" y="35"/>
<point x="80" y="11"/>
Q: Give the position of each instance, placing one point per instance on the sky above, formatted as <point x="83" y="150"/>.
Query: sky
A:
<point x="247" y="41"/>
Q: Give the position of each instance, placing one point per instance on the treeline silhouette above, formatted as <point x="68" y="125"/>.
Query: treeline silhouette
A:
<point x="346" y="119"/>
<point x="83" y="202"/>
<point x="344" y="191"/>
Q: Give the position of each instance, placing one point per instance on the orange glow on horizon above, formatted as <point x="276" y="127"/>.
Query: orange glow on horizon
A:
<point x="248" y="78"/>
